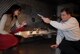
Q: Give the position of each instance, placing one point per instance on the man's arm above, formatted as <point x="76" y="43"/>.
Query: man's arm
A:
<point x="59" y="37"/>
<point x="71" y="23"/>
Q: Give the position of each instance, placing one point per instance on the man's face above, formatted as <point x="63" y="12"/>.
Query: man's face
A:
<point x="65" y="16"/>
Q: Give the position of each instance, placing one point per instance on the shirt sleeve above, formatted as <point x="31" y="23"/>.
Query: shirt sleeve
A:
<point x="71" y="23"/>
<point x="59" y="37"/>
<point x="2" y="24"/>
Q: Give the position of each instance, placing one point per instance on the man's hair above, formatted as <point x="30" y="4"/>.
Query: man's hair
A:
<point x="67" y="10"/>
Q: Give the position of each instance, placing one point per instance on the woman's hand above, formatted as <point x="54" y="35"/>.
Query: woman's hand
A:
<point x="54" y="46"/>
<point x="23" y="23"/>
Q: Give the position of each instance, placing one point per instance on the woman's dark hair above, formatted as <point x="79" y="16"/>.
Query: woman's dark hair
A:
<point x="12" y="9"/>
<point x="67" y="10"/>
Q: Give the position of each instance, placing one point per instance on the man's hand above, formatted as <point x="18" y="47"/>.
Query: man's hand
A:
<point x="46" y="20"/>
<point x="54" y="46"/>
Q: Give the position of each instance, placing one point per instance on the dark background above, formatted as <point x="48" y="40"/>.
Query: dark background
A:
<point x="47" y="8"/>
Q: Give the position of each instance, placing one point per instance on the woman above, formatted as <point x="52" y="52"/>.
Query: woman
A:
<point x="8" y="20"/>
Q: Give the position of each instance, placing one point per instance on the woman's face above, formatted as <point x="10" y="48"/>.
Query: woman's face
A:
<point x="17" y="12"/>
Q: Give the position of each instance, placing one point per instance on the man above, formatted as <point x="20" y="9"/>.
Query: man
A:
<point x="68" y="36"/>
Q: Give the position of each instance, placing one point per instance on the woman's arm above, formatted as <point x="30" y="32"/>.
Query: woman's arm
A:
<point x="17" y="24"/>
<point x="2" y="24"/>
<point x="20" y="25"/>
